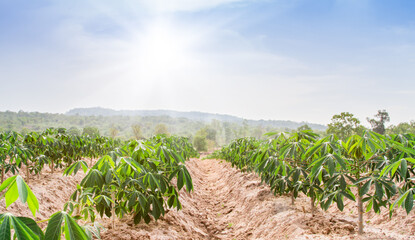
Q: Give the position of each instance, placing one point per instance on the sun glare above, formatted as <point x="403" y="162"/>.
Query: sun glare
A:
<point x="162" y="50"/>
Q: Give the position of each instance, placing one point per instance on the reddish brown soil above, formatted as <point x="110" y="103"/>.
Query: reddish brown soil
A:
<point x="228" y="204"/>
<point x="51" y="190"/>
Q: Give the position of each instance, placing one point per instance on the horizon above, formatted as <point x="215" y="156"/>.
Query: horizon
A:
<point x="195" y="111"/>
<point x="364" y="123"/>
<point x="296" y="60"/>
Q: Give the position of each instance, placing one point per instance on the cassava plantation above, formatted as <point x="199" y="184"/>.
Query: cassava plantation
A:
<point x="294" y="182"/>
<point x="207" y="119"/>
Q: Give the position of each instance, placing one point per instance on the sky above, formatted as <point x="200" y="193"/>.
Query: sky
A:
<point x="297" y="60"/>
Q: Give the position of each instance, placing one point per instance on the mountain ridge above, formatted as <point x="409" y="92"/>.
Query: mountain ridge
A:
<point x="192" y="115"/>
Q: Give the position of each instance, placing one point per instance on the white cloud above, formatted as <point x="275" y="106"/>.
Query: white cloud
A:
<point x="185" y="5"/>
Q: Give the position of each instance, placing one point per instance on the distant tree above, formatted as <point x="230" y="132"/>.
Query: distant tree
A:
<point x="24" y="131"/>
<point x="74" y="131"/>
<point x="199" y="140"/>
<point x="243" y="130"/>
<point x="344" y="125"/>
<point x="210" y="133"/>
<point x="378" y="125"/>
<point x="258" y="132"/>
<point x="137" y="131"/>
<point x="228" y="132"/>
<point x="91" y="131"/>
<point x="161" y="129"/>
<point x="61" y="130"/>
<point x="402" y="128"/>
<point x="303" y="127"/>
<point x="113" y="131"/>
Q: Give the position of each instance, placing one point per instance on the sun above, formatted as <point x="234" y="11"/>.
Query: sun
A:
<point x="161" y="49"/>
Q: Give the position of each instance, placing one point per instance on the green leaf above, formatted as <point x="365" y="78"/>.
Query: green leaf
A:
<point x="24" y="228"/>
<point x="400" y="200"/>
<point x="180" y="182"/>
<point x="7" y="182"/>
<point x="22" y="231"/>
<point x="395" y="167"/>
<point x="404" y="168"/>
<point x="188" y="178"/>
<point x="5" y="228"/>
<point x="21" y="186"/>
<point x="343" y="184"/>
<point x="30" y="223"/>
<point x="331" y="167"/>
<point x="93" y="178"/>
<point x="378" y="191"/>
<point x="54" y="228"/>
<point x="412" y="160"/>
<point x="137" y="218"/>
<point x="341" y="161"/>
<point x="143" y="202"/>
<point x="369" y="205"/>
<point x="365" y="188"/>
<point x="339" y="201"/>
<point x="376" y="207"/>
<point x="72" y="230"/>
<point x="147" y="218"/>
<point x="409" y="202"/>
<point x="74" y="168"/>
<point x="385" y="170"/>
<point x="349" y="195"/>
<point x="12" y="194"/>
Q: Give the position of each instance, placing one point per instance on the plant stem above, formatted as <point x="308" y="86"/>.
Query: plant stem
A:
<point x="360" y="213"/>
<point x="113" y="210"/>
<point x="292" y="198"/>
<point x="27" y="173"/>
<point x="313" y="209"/>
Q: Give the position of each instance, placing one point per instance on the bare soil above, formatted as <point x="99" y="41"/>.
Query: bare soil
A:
<point x="229" y="204"/>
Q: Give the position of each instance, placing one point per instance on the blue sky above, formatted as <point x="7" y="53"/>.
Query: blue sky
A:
<point x="296" y="60"/>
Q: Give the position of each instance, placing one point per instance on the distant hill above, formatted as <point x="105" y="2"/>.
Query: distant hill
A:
<point x="193" y="115"/>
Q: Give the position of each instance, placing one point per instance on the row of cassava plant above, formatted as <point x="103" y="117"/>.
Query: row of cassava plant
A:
<point x="135" y="179"/>
<point x="51" y="147"/>
<point x="371" y="169"/>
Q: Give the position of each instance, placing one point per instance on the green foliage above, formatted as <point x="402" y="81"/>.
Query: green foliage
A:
<point x="378" y="125"/>
<point x="26" y="228"/>
<point x="135" y="179"/>
<point x="62" y="222"/>
<point x="17" y="188"/>
<point x="344" y="125"/>
<point x="402" y="128"/>
<point x="199" y="140"/>
<point x="226" y="129"/>
<point x="303" y="127"/>
<point x="137" y="131"/>
<point x="52" y="146"/>
<point x="74" y="131"/>
<point x="328" y="169"/>
<point x="161" y="129"/>
<point x="90" y="131"/>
